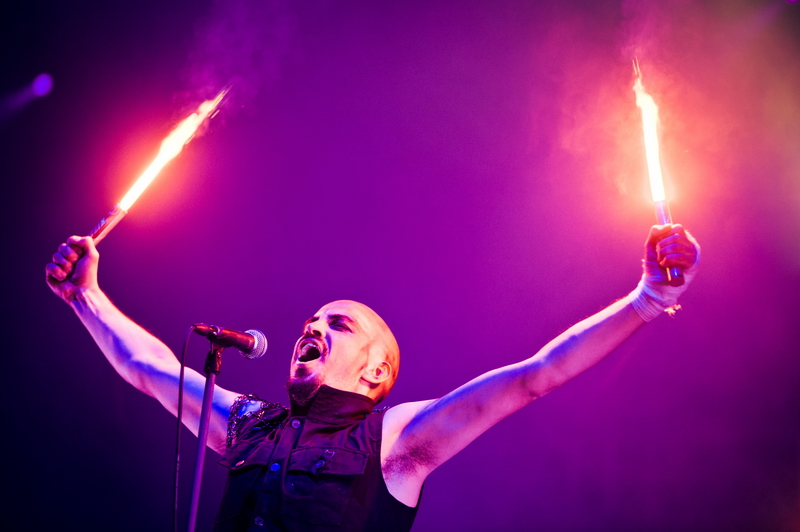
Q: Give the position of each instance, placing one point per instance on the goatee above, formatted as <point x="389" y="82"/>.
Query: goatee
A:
<point x="302" y="391"/>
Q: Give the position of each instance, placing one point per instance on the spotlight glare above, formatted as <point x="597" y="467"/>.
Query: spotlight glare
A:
<point x="42" y="84"/>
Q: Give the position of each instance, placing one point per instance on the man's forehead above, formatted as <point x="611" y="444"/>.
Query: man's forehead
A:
<point x="345" y="306"/>
<point x="352" y="310"/>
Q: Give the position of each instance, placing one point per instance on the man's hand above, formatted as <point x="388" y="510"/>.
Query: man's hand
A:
<point x="666" y="246"/>
<point x="74" y="267"/>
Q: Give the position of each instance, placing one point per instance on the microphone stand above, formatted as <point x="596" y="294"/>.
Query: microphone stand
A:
<point x="212" y="367"/>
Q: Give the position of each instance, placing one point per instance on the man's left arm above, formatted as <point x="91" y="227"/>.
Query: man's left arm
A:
<point x="418" y="437"/>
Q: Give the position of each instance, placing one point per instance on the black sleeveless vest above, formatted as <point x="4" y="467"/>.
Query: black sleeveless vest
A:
<point x="315" y="472"/>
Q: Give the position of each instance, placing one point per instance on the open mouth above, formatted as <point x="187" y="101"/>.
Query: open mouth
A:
<point x="309" y="350"/>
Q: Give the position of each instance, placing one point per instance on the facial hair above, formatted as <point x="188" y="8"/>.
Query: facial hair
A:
<point x="301" y="391"/>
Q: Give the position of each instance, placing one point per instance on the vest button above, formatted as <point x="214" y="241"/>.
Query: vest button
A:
<point x="295" y="423"/>
<point x="258" y="521"/>
<point x="275" y="467"/>
<point x="319" y="464"/>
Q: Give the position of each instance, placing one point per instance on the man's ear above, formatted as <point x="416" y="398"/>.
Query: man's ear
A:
<point x="378" y="374"/>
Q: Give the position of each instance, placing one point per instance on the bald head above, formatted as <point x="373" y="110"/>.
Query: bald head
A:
<point x="381" y="344"/>
<point x="347" y="346"/>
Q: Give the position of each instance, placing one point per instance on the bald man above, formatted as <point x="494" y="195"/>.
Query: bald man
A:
<point x="330" y="461"/>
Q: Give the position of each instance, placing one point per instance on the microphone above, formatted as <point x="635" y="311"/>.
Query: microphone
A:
<point x="251" y="344"/>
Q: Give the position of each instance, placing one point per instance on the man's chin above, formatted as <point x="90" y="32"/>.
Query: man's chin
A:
<point x="302" y="390"/>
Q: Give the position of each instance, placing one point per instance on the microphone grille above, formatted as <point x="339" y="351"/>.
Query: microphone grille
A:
<point x="260" y="346"/>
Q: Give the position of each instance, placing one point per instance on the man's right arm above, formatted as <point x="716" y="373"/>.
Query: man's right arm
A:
<point x="139" y="357"/>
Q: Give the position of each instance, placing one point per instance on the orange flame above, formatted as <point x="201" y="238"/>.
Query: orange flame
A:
<point x="649" y="109"/>
<point x="171" y="146"/>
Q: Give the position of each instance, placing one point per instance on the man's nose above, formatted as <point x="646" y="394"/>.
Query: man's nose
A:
<point x="312" y="331"/>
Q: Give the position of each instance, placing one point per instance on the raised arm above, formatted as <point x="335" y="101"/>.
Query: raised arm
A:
<point x="418" y="437"/>
<point x="139" y="357"/>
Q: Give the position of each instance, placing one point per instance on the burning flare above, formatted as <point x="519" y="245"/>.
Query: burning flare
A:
<point x="650" y="126"/>
<point x="171" y="146"/>
<point x="649" y="109"/>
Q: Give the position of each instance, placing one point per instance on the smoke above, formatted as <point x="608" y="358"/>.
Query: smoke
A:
<point x="723" y="73"/>
<point x="647" y="26"/>
<point x="241" y="44"/>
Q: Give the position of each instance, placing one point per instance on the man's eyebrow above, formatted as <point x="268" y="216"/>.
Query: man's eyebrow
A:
<point x="340" y="317"/>
<point x="310" y="320"/>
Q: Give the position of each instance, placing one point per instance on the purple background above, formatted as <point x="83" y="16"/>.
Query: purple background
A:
<point x="471" y="170"/>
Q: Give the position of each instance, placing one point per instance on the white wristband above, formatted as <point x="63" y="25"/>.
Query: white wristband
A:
<point x="648" y="305"/>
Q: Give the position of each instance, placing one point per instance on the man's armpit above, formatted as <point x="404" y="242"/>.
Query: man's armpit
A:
<point x="410" y="461"/>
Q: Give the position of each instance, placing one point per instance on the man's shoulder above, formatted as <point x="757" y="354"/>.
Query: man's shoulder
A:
<point x="251" y="404"/>
<point x="396" y="418"/>
<point x="249" y="411"/>
<point x="394" y="434"/>
<point x="404" y="458"/>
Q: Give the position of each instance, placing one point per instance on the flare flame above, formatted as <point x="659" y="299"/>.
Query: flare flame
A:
<point x="171" y="146"/>
<point x="649" y="109"/>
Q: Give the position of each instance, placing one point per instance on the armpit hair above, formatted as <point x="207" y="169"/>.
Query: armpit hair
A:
<point x="409" y="460"/>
